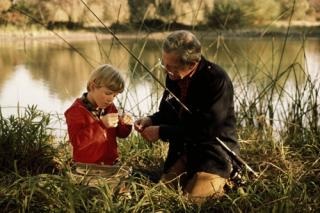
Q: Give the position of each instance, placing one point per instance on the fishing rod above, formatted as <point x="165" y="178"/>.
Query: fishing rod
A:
<point x="59" y="36"/>
<point x="136" y="58"/>
<point x="226" y="148"/>
<point x="117" y="39"/>
<point x="240" y="162"/>
<point x="233" y="155"/>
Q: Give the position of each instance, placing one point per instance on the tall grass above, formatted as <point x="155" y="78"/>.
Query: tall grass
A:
<point x="35" y="172"/>
<point x="278" y="130"/>
<point x="25" y="144"/>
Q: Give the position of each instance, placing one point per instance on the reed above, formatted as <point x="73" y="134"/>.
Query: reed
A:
<point x="25" y="142"/>
<point x="278" y="130"/>
<point x="287" y="175"/>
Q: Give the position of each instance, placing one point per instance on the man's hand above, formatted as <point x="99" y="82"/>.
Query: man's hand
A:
<point x="142" y="123"/>
<point x="151" y="133"/>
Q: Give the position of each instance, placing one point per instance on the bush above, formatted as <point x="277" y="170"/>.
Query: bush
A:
<point x="227" y="15"/>
<point x="25" y="143"/>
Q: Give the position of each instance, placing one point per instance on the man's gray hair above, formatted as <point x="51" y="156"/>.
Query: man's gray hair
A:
<point x="185" y="44"/>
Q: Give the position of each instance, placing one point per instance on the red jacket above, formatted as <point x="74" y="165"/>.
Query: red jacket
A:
<point x="92" y="142"/>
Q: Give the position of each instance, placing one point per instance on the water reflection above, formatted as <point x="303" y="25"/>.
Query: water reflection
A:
<point x="23" y="89"/>
<point x="51" y="74"/>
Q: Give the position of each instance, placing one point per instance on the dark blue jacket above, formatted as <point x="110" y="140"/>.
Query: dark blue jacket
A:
<point x="210" y="100"/>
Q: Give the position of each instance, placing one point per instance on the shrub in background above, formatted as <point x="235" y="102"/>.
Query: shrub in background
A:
<point x="26" y="143"/>
<point x="228" y="14"/>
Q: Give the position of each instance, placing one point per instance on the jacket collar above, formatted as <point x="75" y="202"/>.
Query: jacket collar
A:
<point x="90" y="107"/>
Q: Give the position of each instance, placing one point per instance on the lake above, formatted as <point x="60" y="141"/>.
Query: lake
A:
<point x="51" y="74"/>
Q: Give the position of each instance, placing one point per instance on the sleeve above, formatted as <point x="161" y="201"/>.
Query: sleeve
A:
<point x="168" y="110"/>
<point x="220" y="98"/>
<point x="83" y="129"/>
<point x="123" y="130"/>
<point x="206" y="118"/>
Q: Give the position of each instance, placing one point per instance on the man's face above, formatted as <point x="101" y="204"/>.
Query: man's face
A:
<point x="171" y="63"/>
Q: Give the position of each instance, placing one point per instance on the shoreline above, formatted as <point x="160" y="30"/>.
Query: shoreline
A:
<point x="73" y="36"/>
<point x="14" y="35"/>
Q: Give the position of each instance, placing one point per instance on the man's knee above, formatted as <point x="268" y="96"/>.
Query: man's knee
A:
<point x="175" y="173"/>
<point x="203" y="185"/>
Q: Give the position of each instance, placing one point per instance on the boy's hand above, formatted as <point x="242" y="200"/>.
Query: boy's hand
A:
<point x="110" y="120"/>
<point x="126" y="119"/>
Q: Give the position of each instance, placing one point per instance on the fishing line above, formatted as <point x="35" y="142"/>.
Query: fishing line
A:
<point x="116" y="38"/>
<point x="57" y="34"/>
<point x="225" y="147"/>
<point x="136" y="58"/>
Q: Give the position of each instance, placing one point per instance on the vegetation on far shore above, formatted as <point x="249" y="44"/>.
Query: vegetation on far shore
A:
<point x="35" y="19"/>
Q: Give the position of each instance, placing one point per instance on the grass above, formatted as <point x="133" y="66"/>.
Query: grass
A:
<point x="35" y="172"/>
<point x="278" y="130"/>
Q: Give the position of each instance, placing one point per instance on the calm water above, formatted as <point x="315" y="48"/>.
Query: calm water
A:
<point x="51" y="75"/>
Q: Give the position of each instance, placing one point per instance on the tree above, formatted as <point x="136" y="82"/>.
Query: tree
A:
<point x="4" y="5"/>
<point x="229" y="14"/>
<point x="301" y="8"/>
<point x="315" y="5"/>
<point x="138" y="10"/>
<point x="36" y="9"/>
<point x="265" y="11"/>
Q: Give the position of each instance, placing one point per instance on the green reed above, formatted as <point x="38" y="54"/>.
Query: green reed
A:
<point x="25" y="142"/>
<point x="278" y="130"/>
<point x="286" y="178"/>
<point x="35" y="172"/>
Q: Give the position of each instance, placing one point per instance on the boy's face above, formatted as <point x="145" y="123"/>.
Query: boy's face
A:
<point x="102" y="96"/>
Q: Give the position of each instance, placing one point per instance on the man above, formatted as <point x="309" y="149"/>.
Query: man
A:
<point x="194" y="154"/>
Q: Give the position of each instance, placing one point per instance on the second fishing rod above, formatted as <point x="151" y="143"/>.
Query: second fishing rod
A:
<point x="240" y="162"/>
<point x="136" y="58"/>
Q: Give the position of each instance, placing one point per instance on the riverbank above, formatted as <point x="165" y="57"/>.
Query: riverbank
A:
<point x="13" y="34"/>
<point x="36" y="175"/>
<point x="81" y="35"/>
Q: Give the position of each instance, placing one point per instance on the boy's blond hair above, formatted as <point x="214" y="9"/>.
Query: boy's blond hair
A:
<point x="106" y="76"/>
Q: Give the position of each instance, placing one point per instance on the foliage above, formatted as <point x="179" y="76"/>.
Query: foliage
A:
<point x="286" y="156"/>
<point x="5" y="5"/>
<point x="165" y="8"/>
<point x="264" y="11"/>
<point x="34" y="8"/>
<point x="288" y="182"/>
<point x="301" y="8"/>
<point x="25" y="142"/>
<point x="137" y="14"/>
<point x="228" y="14"/>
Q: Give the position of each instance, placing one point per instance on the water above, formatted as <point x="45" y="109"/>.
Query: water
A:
<point x="50" y="74"/>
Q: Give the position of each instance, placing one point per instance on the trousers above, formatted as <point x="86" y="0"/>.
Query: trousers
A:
<point x="197" y="187"/>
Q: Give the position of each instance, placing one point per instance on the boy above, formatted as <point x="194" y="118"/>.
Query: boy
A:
<point x="93" y="120"/>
